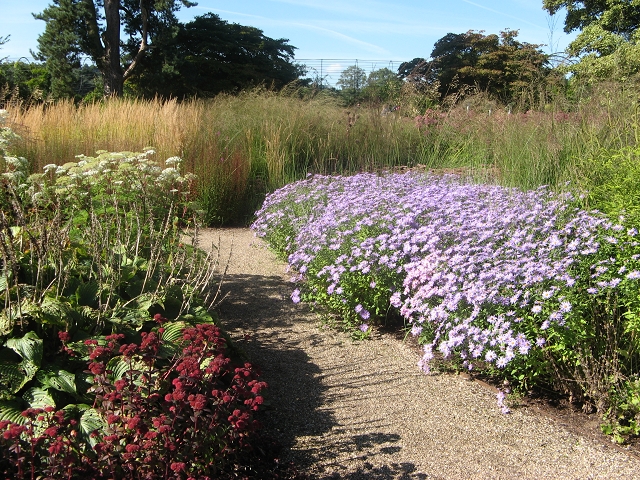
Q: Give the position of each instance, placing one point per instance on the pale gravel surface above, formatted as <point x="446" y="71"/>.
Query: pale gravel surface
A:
<point x="364" y="410"/>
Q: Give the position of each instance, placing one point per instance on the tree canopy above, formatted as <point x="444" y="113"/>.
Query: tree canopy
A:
<point x="159" y="56"/>
<point x="209" y="55"/>
<point x="352" y="80"/>
<point x="92" y="28"/>
<point x="497" y="64"/>
<point x="608" y="43"/>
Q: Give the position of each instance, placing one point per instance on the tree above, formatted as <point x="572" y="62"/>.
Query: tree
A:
<point x="609" y="42"/>
<point x="352" y="78"/>
<point x="351" y="81"/>
<point x="27" y="81"/>
<point x="209" y="55"/>
<point x="77" y="28"/>
<point x="4" y="40"/>
<point x="499" y="65"/>
<point x="382" y="85"/>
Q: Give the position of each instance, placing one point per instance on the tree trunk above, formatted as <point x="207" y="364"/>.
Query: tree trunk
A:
<point x="113" y="74"/>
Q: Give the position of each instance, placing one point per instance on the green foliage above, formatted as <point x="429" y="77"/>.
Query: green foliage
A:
<point x="607" y="45"/>
<point x="352" y="80"/>
<point x="499" y="65"/>
<point x="383" y="85"/>
<point x="208" y="55"/>
<point x="24" y="81"/>
<point x="613" y="185"/>
<point x="78" y="27"/>
<point x="89" y="248"/>
<point x="623" y="420"/>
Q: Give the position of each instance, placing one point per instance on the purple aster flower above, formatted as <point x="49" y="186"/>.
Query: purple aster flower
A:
<point x="295" y="296"/>
<point x="490" y="356"/>
<point x="364" y="327"/>
<point x="614" y="282"/>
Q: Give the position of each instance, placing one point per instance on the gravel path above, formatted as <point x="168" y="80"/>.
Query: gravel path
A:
<point x="364" y="410"/>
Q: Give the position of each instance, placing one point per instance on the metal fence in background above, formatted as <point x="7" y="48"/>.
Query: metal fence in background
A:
<point x="323" y="71"/>
<point x="327" y="71"/>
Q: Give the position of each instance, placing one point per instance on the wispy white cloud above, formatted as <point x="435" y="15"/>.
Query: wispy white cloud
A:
<point x="370" y="47"/>
<point x="352" y="7"/>
<point x="383" y="28"/>
<point x="266" y="21"/>
<point x="498" y="12"/>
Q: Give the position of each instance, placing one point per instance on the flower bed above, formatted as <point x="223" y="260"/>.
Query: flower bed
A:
<point x="523" y="285"/>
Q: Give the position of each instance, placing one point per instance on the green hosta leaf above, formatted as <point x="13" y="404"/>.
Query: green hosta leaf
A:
<point x="84" y="381"/>
<point x="12" y="410"/>
<point x="26" y="308"/>
<point x="28" y="347"/>
<point x="38" y="397"/>
<point x="146" y="301"/>
<point x="87" y="294"/>
<point x="13" y="376"/>
<point x="133" y="319"/>
<point x="90" y="421"/>
<point x="118" y="368"/>
<point x="54" y="311"/>
<point x="202" y="315"/>
<point x="58" y="379"/>
<point x="172" y="333"/>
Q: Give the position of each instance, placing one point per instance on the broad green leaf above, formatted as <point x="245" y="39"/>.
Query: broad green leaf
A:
<point x="145" y="301"/>
<point x="172" y="333"/>
<point x="84" y="381"/>
<point x="58" y="379"/>
<point x="118" y="368"/>
<point x="38" y="397"/>
<point x="53" y="311"/>
<point x="87" y="294"/>
<point x="28" y="347"/>
<point x="90" y="421"/>
<point x="12" y="410"/>
<point x="13" y="376"/>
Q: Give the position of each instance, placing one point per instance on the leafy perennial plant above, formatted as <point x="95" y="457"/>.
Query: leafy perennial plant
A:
<point x="94" y="255"/>
<point x="170" y="406"/>
<point x="524" y="285"/>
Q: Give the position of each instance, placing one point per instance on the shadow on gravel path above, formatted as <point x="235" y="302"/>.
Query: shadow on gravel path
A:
<point x="257" y="317"/>
<point x="276" y="335"/>
<point x="363" y="410"/>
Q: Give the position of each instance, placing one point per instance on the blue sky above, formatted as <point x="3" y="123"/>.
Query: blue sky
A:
<point x="339" y="29"/>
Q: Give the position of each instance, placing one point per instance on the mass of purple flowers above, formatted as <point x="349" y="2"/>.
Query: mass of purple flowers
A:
<point x="480" y="272"/>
